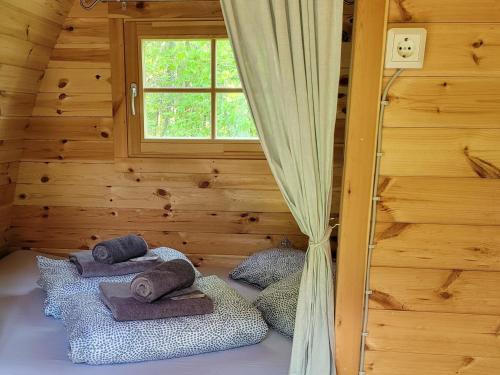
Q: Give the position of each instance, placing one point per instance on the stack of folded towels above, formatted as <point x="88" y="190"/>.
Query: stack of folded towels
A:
<point x="160" y="289"/>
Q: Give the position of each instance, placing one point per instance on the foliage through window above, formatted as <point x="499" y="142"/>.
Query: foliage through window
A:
<point x="191" y="90"/>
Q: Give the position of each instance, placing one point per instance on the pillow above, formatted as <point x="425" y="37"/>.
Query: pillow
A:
<point x="269" y="266"/>
<point x="59" y="278"/>
<point x="96" y="338"/>
<point x="278" y="303"/>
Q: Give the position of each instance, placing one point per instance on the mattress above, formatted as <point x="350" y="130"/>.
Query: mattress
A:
<point x="31" y="343"/>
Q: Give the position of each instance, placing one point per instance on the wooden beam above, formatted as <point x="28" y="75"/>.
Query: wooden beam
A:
<point x="119" y="93"/>
<point x="364" y="97"/>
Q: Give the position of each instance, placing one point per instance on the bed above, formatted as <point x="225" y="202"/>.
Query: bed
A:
<point x="31" y="343"/>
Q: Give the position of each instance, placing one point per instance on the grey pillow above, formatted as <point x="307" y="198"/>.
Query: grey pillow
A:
<point x="269" y="266"/>
<point x="278" y="303"/>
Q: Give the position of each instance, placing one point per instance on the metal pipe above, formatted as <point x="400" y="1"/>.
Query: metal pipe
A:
<point x="373" y="221"/>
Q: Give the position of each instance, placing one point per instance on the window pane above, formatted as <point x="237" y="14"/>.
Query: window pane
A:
<point x="227" y="72"/>
<point x="176" y="63"/>
<point x="174" y="115"/>
<point x="233" y="117"/>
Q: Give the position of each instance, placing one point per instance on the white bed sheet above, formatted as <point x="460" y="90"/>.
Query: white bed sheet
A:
<point x="32" y="344"/>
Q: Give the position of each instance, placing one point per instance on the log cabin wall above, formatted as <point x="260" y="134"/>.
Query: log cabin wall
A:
<point x="75" y="188"/>
<point x="435" y="307"/>
<point x="28" y="32"/>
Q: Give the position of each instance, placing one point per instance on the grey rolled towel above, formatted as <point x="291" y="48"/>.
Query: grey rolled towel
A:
<point x="88" y="267"/>
<point x="120" y="249"/>
<point x="169" y="276"/>
<point x="186" y="302"/>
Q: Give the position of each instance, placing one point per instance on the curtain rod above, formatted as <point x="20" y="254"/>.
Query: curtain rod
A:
<point x="89" y="4"/>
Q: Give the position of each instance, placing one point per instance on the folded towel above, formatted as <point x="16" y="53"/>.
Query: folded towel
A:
<point x="169" y="276"/>
<point x="187" y="302"/>
<point x="120" y="249"/>
<point x="88" y="267"/>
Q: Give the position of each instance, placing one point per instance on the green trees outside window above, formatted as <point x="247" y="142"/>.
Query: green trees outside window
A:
<point x="182" y="100"/>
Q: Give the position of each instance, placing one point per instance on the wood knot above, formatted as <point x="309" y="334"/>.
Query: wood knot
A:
<point x="344" y="81"/>
<point x="478" y="44"/>
<point x="184" y="242"/>
<point x="476" y="59"/>
<point x="97" y="76"/>
<point x="244" y="214"/>
<point x="59" y="111"/>
<point x="161" y="192"/>
<point x="137" y="180"/>
<point x="22" y="196"/>
<point x="444" y="84"/>
<point x="403" y="12"/>
<point x="131" y="170"/>
<point x="105" y="134"/>
<point x="203" y="184"/>
<point x="346" y="37"/>
<point x="46" y="208"/>
<point x="167" y="207"/>
<point x="94" y="237"/>
<point x="44" y="179"/>
<point x="62" y="83"/>
<point x="445" y="295"/>
<point x="483" y="168"/>
<point x="69" y="28"/>
<point x="114" y="213"/>
<point x="254" y="219"/>
<point x="60" y="157"/>
<point x="215" y="170"/>
<point x="62" y="96"/>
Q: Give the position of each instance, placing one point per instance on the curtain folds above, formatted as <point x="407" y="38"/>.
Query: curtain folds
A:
<point x="288" y="54"/>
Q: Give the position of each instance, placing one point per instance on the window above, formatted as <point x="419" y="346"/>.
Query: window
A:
<point x="185" y="94"/>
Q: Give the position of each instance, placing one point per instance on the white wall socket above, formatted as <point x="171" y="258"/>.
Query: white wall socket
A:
<point x="405" y="48"/>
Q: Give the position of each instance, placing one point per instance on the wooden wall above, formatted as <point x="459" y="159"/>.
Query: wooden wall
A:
<point x="74" y="191"/>
<point x="435" y="307"/>
<point x="28" y="32"/>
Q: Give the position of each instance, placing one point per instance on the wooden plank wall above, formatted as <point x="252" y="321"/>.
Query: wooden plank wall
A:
<point x="435" y="309"/>
<point x="28" y="34"/>
<point x="73" y="191"/>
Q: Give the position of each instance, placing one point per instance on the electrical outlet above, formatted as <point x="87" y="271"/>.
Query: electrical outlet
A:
<point x="405" y="48"/>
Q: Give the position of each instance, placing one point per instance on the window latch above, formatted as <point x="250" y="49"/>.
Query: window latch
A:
<point x="133" y="95"/>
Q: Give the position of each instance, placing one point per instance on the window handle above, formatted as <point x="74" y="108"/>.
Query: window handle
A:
<point x="133" y="95"/>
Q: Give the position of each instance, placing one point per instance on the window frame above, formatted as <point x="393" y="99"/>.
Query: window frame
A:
<point x="138" y="146"/>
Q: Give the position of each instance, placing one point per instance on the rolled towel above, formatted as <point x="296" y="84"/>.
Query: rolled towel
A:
<point x="119" y="249"/>
<point x="186" y="302"/>
<point x="163" y="279"/>
<point x="88" y="267"/>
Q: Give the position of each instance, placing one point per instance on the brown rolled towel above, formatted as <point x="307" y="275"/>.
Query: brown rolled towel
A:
<point x="169" y="276"/>
<point x="185" y="302"/>
<point x="119" y="249"/>
<point x="88" y="267"/>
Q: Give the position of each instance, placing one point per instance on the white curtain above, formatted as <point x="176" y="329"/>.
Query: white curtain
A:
<point x="288" y="54"/>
